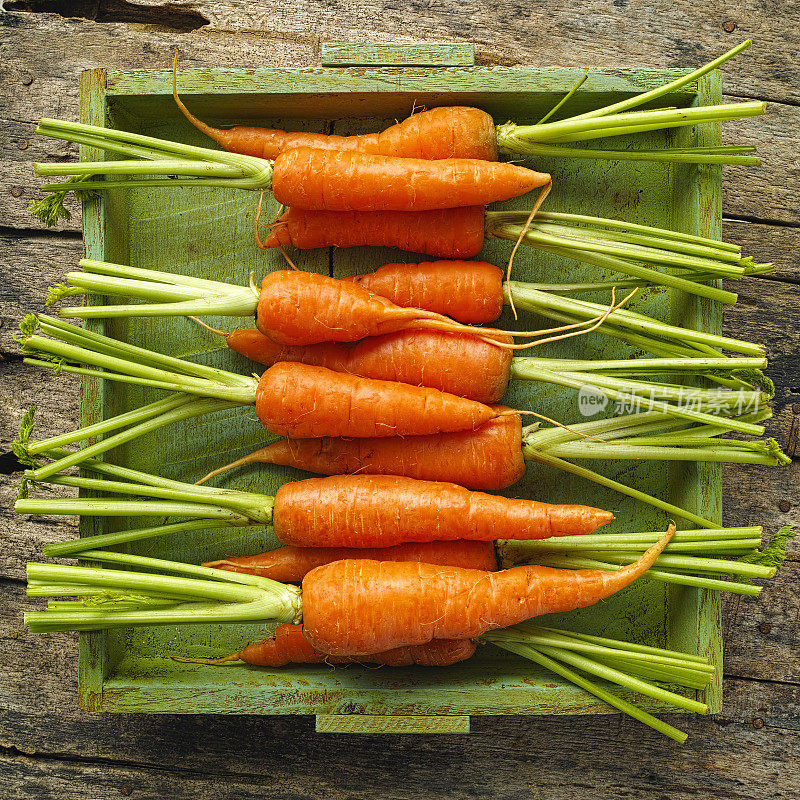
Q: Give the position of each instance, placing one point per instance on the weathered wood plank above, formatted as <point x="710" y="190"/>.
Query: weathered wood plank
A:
<point x="744" y="752"/>
<point x="29" y="264"/>
<point x="765" y="192"/>
<point x="346" y="54"/>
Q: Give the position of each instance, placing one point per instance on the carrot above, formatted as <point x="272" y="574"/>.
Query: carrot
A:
<point x="290" y="399"/>
<point x="468" y="291"/>
<point x="489" y="458"/>
<point x="204" y="597"/>
<point x="324" y="180"/>
<point x="304" y="177"/>
<point x="444" y="132"/>
<point x="346" y="607"/>
<point x="352" y="607"/>
<point x="458" y="131"/>
<point x="293" y="307"/>
<point x="350" y="511"/>
<point x="288" y="645"/>
<point x="450" y="233"/>
<point x="452" y="362"/>
<point x="290" y="564"/>
<point x="490" y="462"/>
<point x="384" y="510"/>
<point x="297" y="308"/>
<point x="304" y="402"/>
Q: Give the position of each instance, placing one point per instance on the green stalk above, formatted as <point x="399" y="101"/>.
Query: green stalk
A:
<point x="583" y="129"/>
<point x="613" y="121"/>
<point x="662" y="575"/>
<point x="580" y="252"/>
<point x="99" y="429"/>
<point x="611" y="243"/>
<point x="214" y="596"/>
<point x="169" y="498"/>
<point x="190" y="410"/>
<point x="685" y="155"/>
<point x="584" y="683"/>
<point x="661" y="91"/>
<point x="627" y="227"/>
<point x="63" y="549"/>
<point x="649" y="395"/>
<point x="541" y="303"/>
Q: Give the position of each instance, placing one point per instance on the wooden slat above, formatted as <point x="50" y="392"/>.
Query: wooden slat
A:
<point x="347" y="54"/>
<point x="359" y="723"/>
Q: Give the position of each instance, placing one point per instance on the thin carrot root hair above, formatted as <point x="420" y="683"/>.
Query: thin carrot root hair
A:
<point x="440" y="322"/>
<point x="240" y="462"/>
<point x="513" y="411"/>
<point x="203" y="127"/>
<point x="205" y="325"/>
<point x="286" y="256"/>
<point x="575" y="328"/>
<point x="539" y="200"/>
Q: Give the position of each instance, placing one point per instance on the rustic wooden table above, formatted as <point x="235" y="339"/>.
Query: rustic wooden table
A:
<point x="49" y="748"/>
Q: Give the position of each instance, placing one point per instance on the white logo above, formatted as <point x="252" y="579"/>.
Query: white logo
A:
<point x="591" y="401"/>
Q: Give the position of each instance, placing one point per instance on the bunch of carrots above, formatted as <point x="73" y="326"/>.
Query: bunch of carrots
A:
<point x="385" y="384"/>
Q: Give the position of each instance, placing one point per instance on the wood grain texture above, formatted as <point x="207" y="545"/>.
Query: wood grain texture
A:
<point x="344" y="54"/>
<point x="48" y="748"/>
<point x="503" y="37"/>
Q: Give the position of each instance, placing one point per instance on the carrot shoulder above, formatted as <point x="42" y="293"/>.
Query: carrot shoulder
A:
<point x="324" y="180"/>
<point x="352" y="607"/>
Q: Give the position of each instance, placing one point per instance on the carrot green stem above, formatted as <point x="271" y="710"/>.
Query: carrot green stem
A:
<point x="550" y="446"/>
<point x="62" y="549"/>
<point x="674" y="155"/>
<point x="205" y="598"/>
<point x="673" y="86"/>
<point x="169" y="498"/>
<point x="612" y="120"/>
<point x="631" y="710"/>
<point x="680" y="401"/>
<point x="638" y="329"/>
<point x="589" y="253"/>
<point x="193" y="407"/>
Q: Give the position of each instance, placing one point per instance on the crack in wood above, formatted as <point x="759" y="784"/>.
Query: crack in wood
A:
<point x="168" y="16"/>
<point x="9" y="463"/>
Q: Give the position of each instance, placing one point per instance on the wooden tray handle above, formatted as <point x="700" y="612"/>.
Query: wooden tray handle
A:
<point x="366" y="723"/>
<point x="342" y="54"/>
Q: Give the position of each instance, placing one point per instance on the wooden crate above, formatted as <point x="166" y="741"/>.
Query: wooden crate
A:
<point x="209" y="233"/>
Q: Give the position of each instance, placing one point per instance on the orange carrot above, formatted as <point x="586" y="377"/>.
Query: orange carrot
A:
<point x="445" y="132"/>
<point x="335" y="180"/>
<point x="385" y="510"/>
<point x="291" y="564"/>
<point x="352" y="607"/>
<point x="488" y="459"/>
<point x="450" y="233"/>
<point x="288" y="645"/>
<point x="297" y="308"/>
<point x="467" y="291"/>
<point x="452" y="362"/>
<point x="302" y="402"/>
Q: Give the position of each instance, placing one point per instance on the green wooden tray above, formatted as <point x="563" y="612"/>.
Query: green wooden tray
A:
<point x="209" y="233"/>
